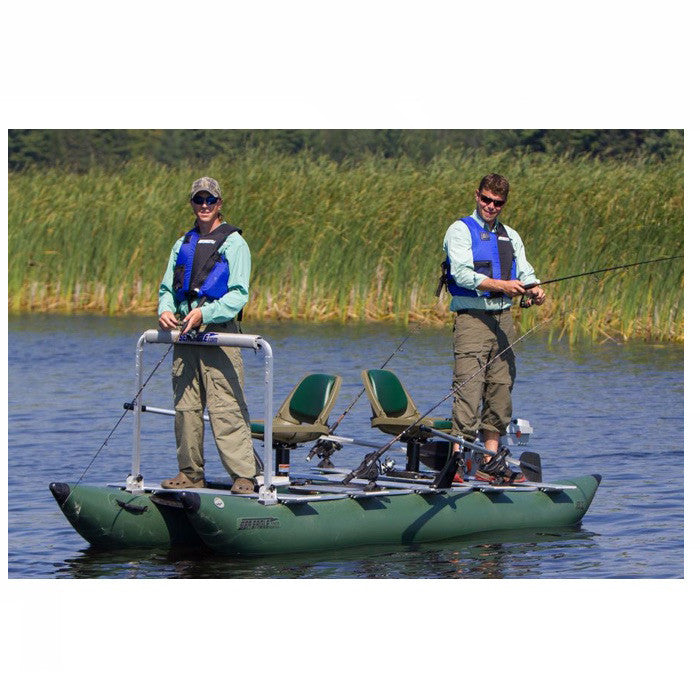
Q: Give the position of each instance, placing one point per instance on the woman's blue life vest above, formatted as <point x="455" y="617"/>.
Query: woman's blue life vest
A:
<point x="493" y="255"/>
<point x="201" y="272"/>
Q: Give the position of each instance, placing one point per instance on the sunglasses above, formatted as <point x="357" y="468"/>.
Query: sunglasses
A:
<point x="210" y="200"/>
<point x="487" y="200"/>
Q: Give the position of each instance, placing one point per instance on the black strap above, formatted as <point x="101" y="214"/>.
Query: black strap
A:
<point x="506" y="253"/>
<point x="206" y="256"/>
<point x="442" y="282"/>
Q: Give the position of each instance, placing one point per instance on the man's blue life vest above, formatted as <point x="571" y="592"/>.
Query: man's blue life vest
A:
<point x="493" y="255"/>
<point x="201" y="272"/>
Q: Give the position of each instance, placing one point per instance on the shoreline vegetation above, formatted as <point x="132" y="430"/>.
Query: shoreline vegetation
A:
<point x="361" y="240"/>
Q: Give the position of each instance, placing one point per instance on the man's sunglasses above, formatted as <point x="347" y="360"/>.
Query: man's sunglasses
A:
<point x="488" y="200"/>
<point x="210" y="200"/>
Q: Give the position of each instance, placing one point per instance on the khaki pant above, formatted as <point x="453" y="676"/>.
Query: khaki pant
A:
<point x="477" y="338"/>
<point x="211" y="377"/>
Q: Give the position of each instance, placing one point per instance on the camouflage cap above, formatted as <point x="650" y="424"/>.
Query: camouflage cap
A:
<point x="205" y="184"/>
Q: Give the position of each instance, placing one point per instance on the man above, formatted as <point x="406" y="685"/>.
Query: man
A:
<point x="487" y="267"/>
<point x="206" y="285"/>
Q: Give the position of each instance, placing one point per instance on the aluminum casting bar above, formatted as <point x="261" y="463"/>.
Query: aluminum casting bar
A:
<point x="269" y="469"/>
<point x="134" y="479"/>
<point x="230" y="340"/>
<point x="236" y="340"/>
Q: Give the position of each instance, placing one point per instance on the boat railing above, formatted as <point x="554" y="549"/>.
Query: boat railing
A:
<point x="134" y="481"/>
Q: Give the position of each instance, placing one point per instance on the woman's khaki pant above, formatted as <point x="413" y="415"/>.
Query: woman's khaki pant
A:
<point x="211" y="377"/>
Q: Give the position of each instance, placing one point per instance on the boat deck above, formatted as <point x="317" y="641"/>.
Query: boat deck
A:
<point x="315" y="486"/>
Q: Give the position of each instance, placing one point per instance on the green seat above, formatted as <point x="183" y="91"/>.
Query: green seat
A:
<point x="393" y="410"/>
<point x="304" y="414"/>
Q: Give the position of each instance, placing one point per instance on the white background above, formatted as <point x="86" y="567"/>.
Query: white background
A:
<point x="360" y="65"/>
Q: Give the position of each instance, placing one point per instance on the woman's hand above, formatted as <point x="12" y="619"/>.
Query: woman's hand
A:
<point x="167" y="321"/>
<point x="192" y="320"/>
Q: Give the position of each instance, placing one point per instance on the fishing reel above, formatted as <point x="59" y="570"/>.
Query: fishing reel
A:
<point x="370" y="469"/>
<point x="498" y="467"/>
<point x="191" y="335"/>
<point x="324" y="449"/>
<point x="387" y="465"/>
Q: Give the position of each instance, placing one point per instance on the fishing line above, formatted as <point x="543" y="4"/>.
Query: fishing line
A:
<point x="384" y="364"/>
<point x="371" y="459"/>
<point x="324" y="448"/>
<point x="327" y="447"/>
<point x="595" y="272"/>
<point x="116" y="425"/>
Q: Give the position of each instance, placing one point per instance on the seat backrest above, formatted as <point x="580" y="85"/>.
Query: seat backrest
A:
<point x="312" y="399"/>
<point x="387" y="395"/>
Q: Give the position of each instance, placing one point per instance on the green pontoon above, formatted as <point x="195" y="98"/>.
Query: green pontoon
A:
<point x="316" y="508"/>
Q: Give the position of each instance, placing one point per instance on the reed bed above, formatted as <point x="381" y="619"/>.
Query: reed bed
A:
<point x="358" y="241"/>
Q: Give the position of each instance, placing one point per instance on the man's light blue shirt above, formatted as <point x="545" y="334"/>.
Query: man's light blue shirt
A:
<point x="458" y="248"/>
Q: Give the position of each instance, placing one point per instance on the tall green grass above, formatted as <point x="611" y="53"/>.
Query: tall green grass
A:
<point x="358" y="242"/>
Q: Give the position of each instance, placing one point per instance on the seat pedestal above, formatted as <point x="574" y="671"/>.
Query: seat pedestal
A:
<point x="281" y="460"/>
<point x="412" y="454"/>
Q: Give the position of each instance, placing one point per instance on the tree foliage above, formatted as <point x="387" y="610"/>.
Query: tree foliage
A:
<point x="79" y="149"/>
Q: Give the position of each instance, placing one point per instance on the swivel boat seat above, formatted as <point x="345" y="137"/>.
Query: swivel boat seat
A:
<point x="393" y="410"/>
<point x="302" y="417"/>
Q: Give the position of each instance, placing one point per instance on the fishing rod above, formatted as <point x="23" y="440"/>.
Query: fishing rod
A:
<point x="127" y="407"/>
<point x="605" y="269"/>
<point x="369" y="468"/>
<point x="121" y="418"/>
<point x="592" y="272"/>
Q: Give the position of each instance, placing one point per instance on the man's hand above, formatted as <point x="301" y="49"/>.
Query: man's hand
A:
<point x="537" y="295"/>
<point x="167" y="321"/>
<point x="512" y="288"/>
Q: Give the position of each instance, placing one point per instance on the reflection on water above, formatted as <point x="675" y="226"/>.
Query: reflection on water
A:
<point x="512" y="554"/>
<point x="614" y="410"/>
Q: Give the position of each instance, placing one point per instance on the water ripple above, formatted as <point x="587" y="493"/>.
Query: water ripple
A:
<point x="593" y="411"/>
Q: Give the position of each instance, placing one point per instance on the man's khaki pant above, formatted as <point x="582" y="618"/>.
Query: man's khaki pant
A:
<point x="211" y="377"/>
<point x="477" y="338"/>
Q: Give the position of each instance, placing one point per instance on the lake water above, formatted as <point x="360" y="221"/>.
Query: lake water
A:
<point x="616" y="410"/>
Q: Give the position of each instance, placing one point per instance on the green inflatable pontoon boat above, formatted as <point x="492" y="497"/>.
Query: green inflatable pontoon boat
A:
<point x="316" y="509"/>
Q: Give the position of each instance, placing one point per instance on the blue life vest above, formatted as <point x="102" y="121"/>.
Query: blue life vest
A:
<point x="493" y="255"/>
<point x="201" y="272"/>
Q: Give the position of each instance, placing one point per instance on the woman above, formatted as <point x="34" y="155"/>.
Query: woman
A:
<point x="206" y="285"/>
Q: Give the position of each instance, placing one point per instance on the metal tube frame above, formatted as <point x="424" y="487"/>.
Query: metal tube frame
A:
<point x="134" y="482"/>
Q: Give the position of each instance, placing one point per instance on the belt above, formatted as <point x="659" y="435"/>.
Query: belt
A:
<point x="482" y="311"/>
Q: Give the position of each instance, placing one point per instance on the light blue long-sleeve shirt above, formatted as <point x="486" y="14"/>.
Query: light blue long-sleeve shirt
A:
<point x="237" y="255"/>
<point x="458" y="247"/>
